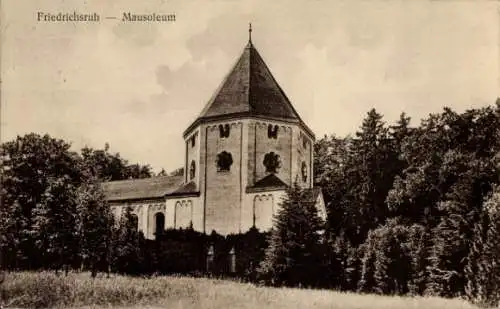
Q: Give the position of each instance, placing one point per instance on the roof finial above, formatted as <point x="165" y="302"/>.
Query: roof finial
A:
<point x="249" y="32"/>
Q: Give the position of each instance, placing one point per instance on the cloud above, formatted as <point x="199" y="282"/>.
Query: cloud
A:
<point x="140" y="34"/>
<point x="139" y="85"/>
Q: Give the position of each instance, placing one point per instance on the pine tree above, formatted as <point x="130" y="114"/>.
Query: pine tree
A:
<point x="369" y="176"/>
<point x="294" y="257"/>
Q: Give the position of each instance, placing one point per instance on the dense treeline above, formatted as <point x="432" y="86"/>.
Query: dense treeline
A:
<point x="52" y="207"/>
<point x="410" y="210"/>
<point x="415" y="209"/>
<point x="53" y="215"/>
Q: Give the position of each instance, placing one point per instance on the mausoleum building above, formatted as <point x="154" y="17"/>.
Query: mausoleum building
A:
<point x="242" y="151"/>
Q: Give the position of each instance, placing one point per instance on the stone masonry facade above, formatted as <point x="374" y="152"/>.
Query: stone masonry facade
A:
<point x="241" y="153"/>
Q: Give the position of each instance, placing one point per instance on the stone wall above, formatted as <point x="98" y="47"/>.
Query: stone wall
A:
<point x="259" y="209"/>
<point x="303" y="154"/>
<point x="144" y="210"/>
<point x="263" y="211"/>
<point x="223" y="193"/>
<point x="154" y="211"/>
<point x="184" y="212"/>
<point x="281" y="145"/>
<point x="177" y="213"/>
<point x="192" y="155"/>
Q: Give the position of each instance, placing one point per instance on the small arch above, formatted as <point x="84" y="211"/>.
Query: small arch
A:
<point x="272" y="131"/>
<point x="224" y="130"/>
<point x="193" y="140"/>
<point x="304" y="171"/>
<point x="159" y="223"/>
<point x="183" y="214"/>
<point x="305" y="142"/>
<point x="176" y="209"/>
<point x="192" y="170"/>
<point x="134" y="221"/>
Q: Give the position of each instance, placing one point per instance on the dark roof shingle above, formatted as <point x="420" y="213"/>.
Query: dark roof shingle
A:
<point x="146" y="188"/>
<point x="250" y="89"/>
<point x="270" y="180"/>
<point x="189" y="188"/>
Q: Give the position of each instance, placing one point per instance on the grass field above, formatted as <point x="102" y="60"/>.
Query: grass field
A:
<point x="32" y="290"/>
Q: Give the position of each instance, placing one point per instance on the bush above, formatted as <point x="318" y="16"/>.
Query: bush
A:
<point x="394" y="260"/>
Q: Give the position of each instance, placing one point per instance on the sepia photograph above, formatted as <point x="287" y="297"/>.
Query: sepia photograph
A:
<point x="250" y="154"/>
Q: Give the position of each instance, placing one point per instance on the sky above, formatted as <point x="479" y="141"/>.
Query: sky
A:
<point x="138" y="86"/>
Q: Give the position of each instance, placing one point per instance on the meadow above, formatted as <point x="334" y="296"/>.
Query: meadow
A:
<point x="79" y="290"/>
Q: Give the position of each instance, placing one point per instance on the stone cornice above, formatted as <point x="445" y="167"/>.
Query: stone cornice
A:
<point x="242" y="116"/>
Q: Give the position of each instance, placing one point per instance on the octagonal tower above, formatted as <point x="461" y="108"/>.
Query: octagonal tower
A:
<point x="245" y="147"/>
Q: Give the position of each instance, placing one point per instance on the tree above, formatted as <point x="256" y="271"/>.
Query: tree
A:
<point x="136" y="171"/>
<point x="344" y="262"/>
<point x="393" y="260"/>
<point x="54" y="225"/>
<point x="450" y="169"/>
<point x="95" y="223"/>
<point x="418" y="190"/>
<point x="483" y="260"/>
<point x="162" y="173"/>
<point x="107" y="166"/>
<point x="368" y="249"/>
<point x="369" y="176"/>
<point x="294" y="253"/>
<point x="177" y="172"/>
<point x="126" y="256"/>
<point x="330" y="157"/>
<point x="13" y="233"/>
<point x="39" y="174"/>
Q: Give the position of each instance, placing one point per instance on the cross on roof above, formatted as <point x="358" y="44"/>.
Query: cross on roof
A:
<point x="249" y="32"/>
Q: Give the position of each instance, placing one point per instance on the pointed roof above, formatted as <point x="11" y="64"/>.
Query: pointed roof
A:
<point x="270" y="180"/>
<point x="249" y="90"/>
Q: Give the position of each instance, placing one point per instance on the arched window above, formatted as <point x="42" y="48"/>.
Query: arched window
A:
<point x="224" y="161"/>
<point x="224" y="130"/>
<point x="303" y="170"/>
<point x="272" y="131"/>
<point x="192" y="170"/>
<point x="159" y="223"/>
<point x="193" y="140"/>
<point x="135" y="221"/>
